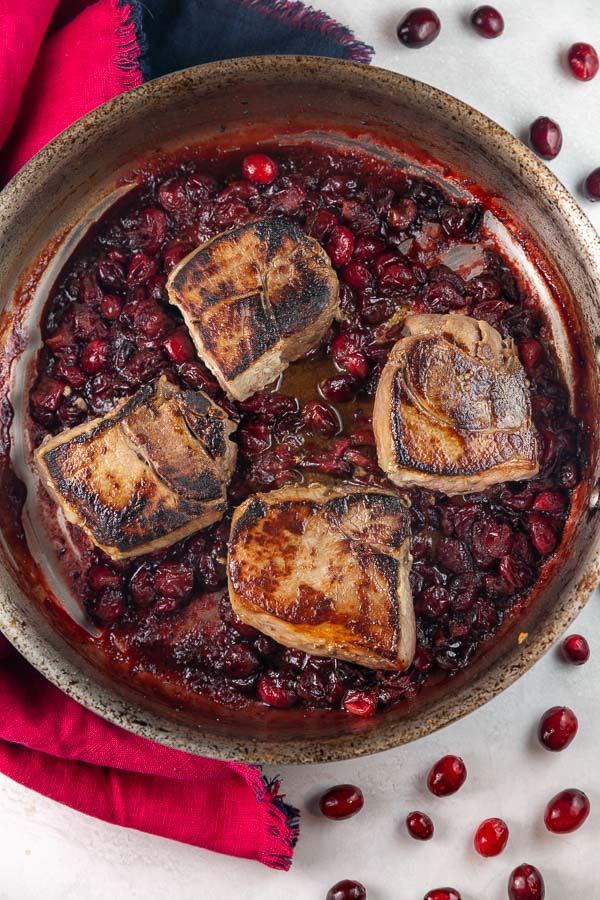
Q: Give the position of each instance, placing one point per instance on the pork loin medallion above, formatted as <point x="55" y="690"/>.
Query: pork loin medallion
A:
<point x="452" y="409"/>
<point x="147" y="474"/>
<point x="254" y="299"/>
<point x="325" y="570"/>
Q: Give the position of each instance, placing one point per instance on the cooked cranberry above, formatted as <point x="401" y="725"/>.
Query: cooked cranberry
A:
<point x="497" y="538"/>
<point x="567" y="811"/>
<point x="100" y="577"/>
<point x="491" y="837"/>
<point x="583" y="61"/>
<point x="397" y="276"/>
<point x="111" y="306"/>
<point x="553" y="502"/>
<point x="457" y="220"/>
<point x="321" y="419"/>
<point x="592" y="185"/>
<point x="240" y="660"/>
<point x="447" y="775"/>
<point x="95" y="356"/>
<point x="531" y="354"/>
<point x="259" y="168"/>
<point x="360" y="703"/>
<point x="109" y="605"/>
<point x="526" y="883"/>
<point x="174" y="580"/>
<point x="141" y="267"/>
<point x="276" y="689"/>
<point x="419" y="826"/>
<point x="255" y="437"/>
<point x="323" y="224"/>
<point x="576" y="649"/>
<point x="178" y="347"/>
<point x="73" y="375"/>
<point x="341" y="802"/>
<point x="356" y="275"/>
<point x="174" y="254"/>
<point x="545" y="137"/>
<point x="141" y="586"/>
<point x="419" y="27"/>
<point x="557" y="728"/>
<point x="367" y="248"/>
<point x="339" y="389"/>
<point x="340" y="245"/>
<point x="487" y="21"/>
<point x="445" y="893"/>
<point x="542" y="533"/>
<point x="402" y="214"/>
<point x="433" y="602"/>
<point x="347" y="890"/>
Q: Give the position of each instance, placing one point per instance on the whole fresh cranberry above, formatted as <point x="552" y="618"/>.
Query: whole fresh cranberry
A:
<point x="583" y="61"/>
<point x="567" y="811"/>
<point x="491" y="837"/>
<point x="347" y="890"/>
<point x="447" y="775"/>
<point x="545" y="137"/>
<point x="576" y="649"/>
<point x="260" y="168"/>
<point x="526" y="883"/>
<point x="419" y="826"/>
<point x="341" y="802"/>
<point x="557" y="728"/>
<point x="419" y="27"/>
<point x="592" y="186"/>
<point x="487" y="21"/>
<point x="444" y="893"/>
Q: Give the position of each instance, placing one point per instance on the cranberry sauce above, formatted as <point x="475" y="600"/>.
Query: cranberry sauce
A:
<point x="108" y="329"/>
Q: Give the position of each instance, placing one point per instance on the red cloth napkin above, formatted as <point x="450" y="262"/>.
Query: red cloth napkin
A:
<point x="48" y="742"/>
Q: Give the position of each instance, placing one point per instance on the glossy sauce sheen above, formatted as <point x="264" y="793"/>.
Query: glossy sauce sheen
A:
<point x="108" y="329"/>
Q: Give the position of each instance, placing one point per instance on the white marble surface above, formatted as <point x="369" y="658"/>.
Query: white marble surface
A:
<point x="49" y="851"/>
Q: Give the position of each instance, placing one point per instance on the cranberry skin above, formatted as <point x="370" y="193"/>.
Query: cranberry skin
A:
<point x="95" y="356"/>
<point x="320" y="419"/>
<point x="275" y="690"/>
<point x="567" y="811"/>
<point x="174" y="580"/>
<point x="558" y="727"/>
<point x="340" y="245"/>
<point x="360" y="703"/>
<point x="418" y="28"/>
<point x="111" y="306"/>
<point x="576" y="649"/>
<point x="347" y="890"/>
<point x="487" y="21"/>
<point x="260" y="168"/>
<point x="341" y="802"/>
<point x="491" y="837"/>
<point x="419" y="826"/>
<point x="526" y="883"/>
<point x="545" y="137"/>
<point x="583" y="61"/>
<point x="445" y="893"/>
<point x="592" y="186"/>
<point x="447" y="775"/>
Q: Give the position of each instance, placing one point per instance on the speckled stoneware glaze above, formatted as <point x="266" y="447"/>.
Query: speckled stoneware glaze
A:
<point x="235" y="103"/>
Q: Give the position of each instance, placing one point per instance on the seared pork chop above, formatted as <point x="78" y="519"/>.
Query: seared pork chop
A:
<point x="147" y="474"/>
<point x="254" y="299"/>
<point x="452" y="409"/>
<point x="325" y="570"/>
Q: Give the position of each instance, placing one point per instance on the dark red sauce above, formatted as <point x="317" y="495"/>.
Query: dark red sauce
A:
<point x="108" y="329"/>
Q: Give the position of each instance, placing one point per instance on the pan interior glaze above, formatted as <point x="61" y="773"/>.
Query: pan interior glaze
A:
<point x="237" y="104"/>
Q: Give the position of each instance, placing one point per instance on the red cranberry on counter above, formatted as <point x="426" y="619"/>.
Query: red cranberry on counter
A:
<point x="487" y="21"/>
<point x="491" y="837"/>
<point x="445" y="893"/>
<point x="419" y="27"/>
<point x="583" y="61"/>
<point x="526" y="883"/>
<point x="567" y="811"/>
<point x="557" y="728"/>
<point x="341" y="802"/>
<point x="347" y="890"/>
<point x="545" y="137"/>
<point x="419" y="825"/>
<point x="260" y="168"/>
<point x="576" y="649"/>
<point x="447" y="776"/>
<point x="592" y="186"/>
